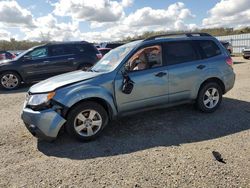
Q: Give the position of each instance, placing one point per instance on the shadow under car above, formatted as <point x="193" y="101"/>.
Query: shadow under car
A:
<point x="165" y="127"/>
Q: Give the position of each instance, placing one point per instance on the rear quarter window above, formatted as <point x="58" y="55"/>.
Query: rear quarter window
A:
<point x="208" y="48"/>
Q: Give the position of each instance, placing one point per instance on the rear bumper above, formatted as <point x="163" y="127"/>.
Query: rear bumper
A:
<point x="43" y="124"/>
<point x="229" y="81"/>
<point x="246" y="54"/>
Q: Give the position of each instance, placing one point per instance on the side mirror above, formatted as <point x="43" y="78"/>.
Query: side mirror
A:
<point x="26" y="58"/>
<point x="127" y="68"/>
<point x="127" y="83"/>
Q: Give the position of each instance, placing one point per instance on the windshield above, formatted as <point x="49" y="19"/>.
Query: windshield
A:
<point x="22" y="54"/>
<point x="112" y="59"/>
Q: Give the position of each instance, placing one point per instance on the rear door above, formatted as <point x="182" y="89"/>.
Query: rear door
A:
<point x="185" y="68"/>
<point x="62" y="59"/>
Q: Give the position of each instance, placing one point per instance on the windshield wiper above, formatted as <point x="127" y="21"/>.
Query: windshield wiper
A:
<point x="91" y="70"/>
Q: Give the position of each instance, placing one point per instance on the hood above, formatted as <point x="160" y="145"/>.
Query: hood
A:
<point x="2" y="62"/>
<point x="53" y="83"/>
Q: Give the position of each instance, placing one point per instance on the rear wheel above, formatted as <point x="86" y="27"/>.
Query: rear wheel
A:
<point x="209" y="97"/>
<point x="86" y="121"/>
<point x="10" y="80"/>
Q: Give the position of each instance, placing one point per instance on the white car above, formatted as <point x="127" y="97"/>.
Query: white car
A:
<point x="246" y="53"/>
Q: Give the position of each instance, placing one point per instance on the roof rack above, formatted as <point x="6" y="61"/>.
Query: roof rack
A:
<point x="178" y="34"/>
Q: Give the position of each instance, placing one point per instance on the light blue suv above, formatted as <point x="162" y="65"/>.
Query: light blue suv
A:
<point x="160" y="71"/>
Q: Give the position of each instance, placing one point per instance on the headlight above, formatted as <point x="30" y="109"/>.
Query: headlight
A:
<point x="39" y="99"/>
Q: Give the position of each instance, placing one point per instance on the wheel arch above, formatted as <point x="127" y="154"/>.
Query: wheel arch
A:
<point x="97" y="100"/>
<point x="216" y="80"/>
<point x="15" y="71"/>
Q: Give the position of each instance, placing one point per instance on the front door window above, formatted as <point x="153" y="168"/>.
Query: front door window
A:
<point x="39" y="53"/>
<point x="145" y="58"/>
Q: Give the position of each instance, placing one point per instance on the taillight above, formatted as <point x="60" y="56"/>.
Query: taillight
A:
<point x="2" y="56"/>
<point x="99" y="56"/>
<point x="230" y="61"/>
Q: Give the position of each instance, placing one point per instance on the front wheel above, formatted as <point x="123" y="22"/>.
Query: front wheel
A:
<point x="209" y="97"/>
<point x="10" y="80"/>
<point x="86" y="121"/>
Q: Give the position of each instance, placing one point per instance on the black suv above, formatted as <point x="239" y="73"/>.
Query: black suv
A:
<point x="47" y="60"/>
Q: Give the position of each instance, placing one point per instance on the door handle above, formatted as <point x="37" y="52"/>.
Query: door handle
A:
<point x="201" y="67"/>
<point x="160" y="74"/>
<point x="70" y="59"/>
<point x="41" y="63"/>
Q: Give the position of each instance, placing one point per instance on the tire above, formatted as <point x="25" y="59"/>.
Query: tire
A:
<point x="86" y="121"/>
<point x="10" y="80"/>
<point x="209" y="97"/>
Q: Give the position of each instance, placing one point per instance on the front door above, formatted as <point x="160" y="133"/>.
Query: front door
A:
<point x="35" y="64"/>
<point x="145" y="68"/>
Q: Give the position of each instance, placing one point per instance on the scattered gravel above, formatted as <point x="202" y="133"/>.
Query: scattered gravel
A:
<point x="162" y="148"/>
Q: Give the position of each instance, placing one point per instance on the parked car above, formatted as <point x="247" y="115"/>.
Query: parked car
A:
<point x="6" y="55"/>
<point x="47" y="60"/>
<point x="157" y="72"/>
<point x="104" y="51"/>
<point x="228" y="46"/>
<point x="246" y="53"/>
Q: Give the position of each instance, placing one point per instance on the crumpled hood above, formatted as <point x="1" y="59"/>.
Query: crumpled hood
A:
<point x="62" y="80"/>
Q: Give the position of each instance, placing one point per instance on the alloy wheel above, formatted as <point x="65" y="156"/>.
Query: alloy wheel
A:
<point x="88" y="123"/>
<point x="211" y="98"/>
<point x="9" y="81"/>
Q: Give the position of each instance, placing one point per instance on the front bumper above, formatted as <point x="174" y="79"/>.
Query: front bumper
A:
<point x="43" y="124"/>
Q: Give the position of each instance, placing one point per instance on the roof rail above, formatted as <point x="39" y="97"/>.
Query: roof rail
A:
<point x="65" y="42"/>
<point x="178" y="34"/>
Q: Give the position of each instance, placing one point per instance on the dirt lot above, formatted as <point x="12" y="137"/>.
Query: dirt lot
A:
<point x="162" y="148"/>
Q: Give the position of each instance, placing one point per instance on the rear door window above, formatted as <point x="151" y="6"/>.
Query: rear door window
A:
<point x="208" y="48"/>
<point x="179" y="52"/>
<point x="60" y="50"/>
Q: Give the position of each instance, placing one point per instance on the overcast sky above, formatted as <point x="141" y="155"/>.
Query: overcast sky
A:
<point x="105" y="20"/>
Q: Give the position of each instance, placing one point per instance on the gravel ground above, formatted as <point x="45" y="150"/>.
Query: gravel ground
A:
<point x="162" y="148"/>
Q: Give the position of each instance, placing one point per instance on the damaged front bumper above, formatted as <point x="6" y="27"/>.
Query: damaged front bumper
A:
<point x="44" y="124"/>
